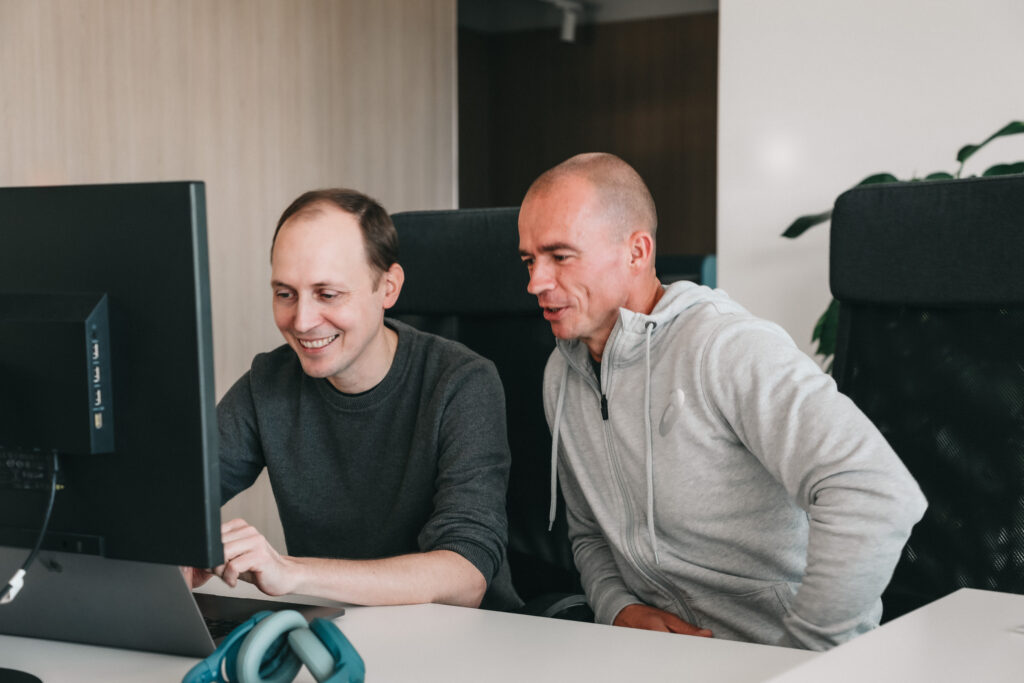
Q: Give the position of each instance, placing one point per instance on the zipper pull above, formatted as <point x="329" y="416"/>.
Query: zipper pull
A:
<point x="604" y="407"/>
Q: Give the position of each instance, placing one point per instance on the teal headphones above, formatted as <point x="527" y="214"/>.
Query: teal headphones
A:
<point x="271" y="647"/>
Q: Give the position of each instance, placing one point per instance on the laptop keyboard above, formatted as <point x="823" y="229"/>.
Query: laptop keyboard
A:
<point x="219" y="628"/>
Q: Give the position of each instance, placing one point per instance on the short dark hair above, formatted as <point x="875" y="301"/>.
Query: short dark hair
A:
<point x="380" y="239"/>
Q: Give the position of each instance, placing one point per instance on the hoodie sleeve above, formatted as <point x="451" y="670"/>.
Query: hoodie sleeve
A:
<point x="860" y="499"/>
<point x="605" y="589"/>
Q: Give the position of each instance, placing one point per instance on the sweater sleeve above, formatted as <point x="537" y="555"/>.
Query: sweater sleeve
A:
<point x="241" y="455"/>
<point x="860" y="500"/>
<point x="599" y="573"/>
<point x="472" y="476"/>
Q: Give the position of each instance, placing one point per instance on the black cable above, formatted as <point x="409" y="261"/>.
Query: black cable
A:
<point x="16" y="579"/>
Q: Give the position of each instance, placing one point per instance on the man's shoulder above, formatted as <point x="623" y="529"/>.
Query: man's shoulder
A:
<point x="436" y="351"/>
<point x="270" y="378"/>
<point x="713" y="318"/>
<point x="275" y="370"/>
<point x="440" y="370"/>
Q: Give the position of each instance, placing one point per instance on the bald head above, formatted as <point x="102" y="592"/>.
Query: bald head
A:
<point x="620" y="195"/>
<point x="586" y="235"/>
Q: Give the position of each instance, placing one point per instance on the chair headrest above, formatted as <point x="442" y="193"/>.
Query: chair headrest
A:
<point x="477" y="250"/>
<point x="933" y="243"/>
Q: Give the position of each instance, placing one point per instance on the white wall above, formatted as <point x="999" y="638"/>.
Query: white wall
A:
<point x="814" y="96"/>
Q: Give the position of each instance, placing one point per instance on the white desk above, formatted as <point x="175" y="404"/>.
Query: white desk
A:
<point x="428" y="643"/>
<point x="971" y="635"/>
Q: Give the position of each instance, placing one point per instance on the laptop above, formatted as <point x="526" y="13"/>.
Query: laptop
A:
<point x="118" y="603"/>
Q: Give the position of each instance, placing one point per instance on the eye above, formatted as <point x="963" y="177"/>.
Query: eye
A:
<point x="560" y="258"/>
<point x="328" y="295"/>
<point x="283" y="294"/>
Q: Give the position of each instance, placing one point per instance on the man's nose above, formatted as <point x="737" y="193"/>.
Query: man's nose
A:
<point x="540" y="280"/>
<point x="307" y="315"/>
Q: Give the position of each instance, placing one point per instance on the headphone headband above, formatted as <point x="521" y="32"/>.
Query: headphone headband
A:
<point x="271" y="647"/>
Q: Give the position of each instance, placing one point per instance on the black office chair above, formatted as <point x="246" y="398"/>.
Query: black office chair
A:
<point x="930" y="282"/>
<point x="464" y="281"/>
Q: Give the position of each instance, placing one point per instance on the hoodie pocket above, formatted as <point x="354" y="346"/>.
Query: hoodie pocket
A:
<point x="755" y="616"/>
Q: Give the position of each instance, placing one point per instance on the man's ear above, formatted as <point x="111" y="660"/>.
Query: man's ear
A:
<point x="641" y="249"/>
<point x="392" y="280"/>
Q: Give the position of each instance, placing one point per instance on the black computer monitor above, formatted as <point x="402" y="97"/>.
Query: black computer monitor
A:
<point x="147" y="488"/>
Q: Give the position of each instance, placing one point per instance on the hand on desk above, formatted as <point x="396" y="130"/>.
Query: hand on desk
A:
<point x="654" y="619"/>
<point x="249" y="557"/>
<point x="430" y="576"/>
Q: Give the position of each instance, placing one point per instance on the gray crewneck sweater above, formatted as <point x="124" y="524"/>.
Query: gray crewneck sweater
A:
<point x="731" y="483"/>
<point x="420" y="462"/>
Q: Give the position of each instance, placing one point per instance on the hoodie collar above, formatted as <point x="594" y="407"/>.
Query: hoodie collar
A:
<point x="627" y="341"/>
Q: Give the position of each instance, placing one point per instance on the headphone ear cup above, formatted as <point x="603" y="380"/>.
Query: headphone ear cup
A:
<point x="313" y="653"/>
<point x="348" y="665"/>
<point x="210" y="669"/>
<point x="267" y="637"/>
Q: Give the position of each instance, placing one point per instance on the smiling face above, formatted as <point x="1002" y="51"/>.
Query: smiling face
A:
<point x="329" y="302"/>
<point x="581" y="267"/>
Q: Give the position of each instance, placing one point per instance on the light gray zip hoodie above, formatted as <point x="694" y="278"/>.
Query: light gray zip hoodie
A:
<point x="730" y="483"/>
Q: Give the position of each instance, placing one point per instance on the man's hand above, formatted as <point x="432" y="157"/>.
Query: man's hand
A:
<point x="250" y="557"/>
<point x="195" y="576"/>
<point x="654" y="619"/>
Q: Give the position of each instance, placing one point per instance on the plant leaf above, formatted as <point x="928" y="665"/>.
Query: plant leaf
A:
<point x="826" y="331"/>
<point x="802" y="224"/>
<point x="939" y="175"/>
<point x="966" y="151"/>
<point x="878" y="178"/>
<point x="1005" y="169"/>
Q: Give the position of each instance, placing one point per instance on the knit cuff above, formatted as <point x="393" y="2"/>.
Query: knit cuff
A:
<point x="608" y="606"/>
<point x="476" y="556"/>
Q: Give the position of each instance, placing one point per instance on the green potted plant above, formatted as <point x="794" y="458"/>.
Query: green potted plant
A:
<point x="828" y="324"/>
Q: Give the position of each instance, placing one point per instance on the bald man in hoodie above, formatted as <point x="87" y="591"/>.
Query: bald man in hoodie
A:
<point x="716" y="482"/>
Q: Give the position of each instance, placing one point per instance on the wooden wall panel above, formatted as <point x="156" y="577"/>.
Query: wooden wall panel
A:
<point x="261" y="99"/>
<point x="645" y="90"/>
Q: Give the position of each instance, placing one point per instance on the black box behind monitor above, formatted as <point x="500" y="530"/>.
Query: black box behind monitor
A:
<point x="57" y="393"/>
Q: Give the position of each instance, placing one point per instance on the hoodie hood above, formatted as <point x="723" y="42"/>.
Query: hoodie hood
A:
<point x="626" y="343"/>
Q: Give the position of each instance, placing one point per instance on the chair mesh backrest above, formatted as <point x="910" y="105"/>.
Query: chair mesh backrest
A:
<point x="931" y="347"/>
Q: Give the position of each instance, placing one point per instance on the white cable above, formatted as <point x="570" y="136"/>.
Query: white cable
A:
<point x="13" y="586"/>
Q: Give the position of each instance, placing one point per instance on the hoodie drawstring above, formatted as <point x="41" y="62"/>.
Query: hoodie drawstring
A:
<point x="649" y="328"/>
<point x="554" y="447"/>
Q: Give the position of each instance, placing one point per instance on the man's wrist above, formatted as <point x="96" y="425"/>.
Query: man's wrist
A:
<point x="619" y="614"/>
<point x="606" y="610"/>
<point x="298" y="575"/>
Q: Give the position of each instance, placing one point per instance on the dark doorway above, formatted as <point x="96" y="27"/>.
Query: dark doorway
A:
<point x="644" y="89"/>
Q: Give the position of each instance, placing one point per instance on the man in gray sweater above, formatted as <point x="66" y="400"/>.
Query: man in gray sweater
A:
<point x="386" y="447"/>
<point x="715" y="480"/>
